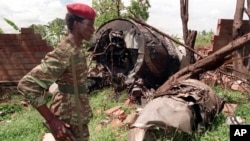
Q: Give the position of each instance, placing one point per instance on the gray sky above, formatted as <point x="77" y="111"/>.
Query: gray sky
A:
<point x="164" y="14"/>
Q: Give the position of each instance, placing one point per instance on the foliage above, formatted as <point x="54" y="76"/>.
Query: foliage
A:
<point x="231" y="96"/>
<point x="55" y="30"/>
<point x="52" y="32"/>
<point x="110" y="9"/>
<point x="1" y="31"/>
<point x="204" y="38"/>
<point x="107" y="10"/>
<point x="139" y="8"/>
<point x="39" y="29"/>
<point x="12" y="24"/>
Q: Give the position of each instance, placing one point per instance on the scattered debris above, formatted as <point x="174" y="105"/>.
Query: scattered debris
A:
<point x="234" y="120"/>
<point x="229" y="109"/>
<point x="116" y="112"/>
<point x="24" y="103"/>
<point x="130" y="119"/>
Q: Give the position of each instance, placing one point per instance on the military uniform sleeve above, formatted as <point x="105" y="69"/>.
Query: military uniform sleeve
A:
<point x="35" y="84"/>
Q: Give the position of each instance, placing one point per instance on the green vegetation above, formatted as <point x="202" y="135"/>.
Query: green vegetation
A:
<point x="109" y="9"/>
<point x="203" y="38"/>
<point x="100" y="102"/>
<point x="12" y="24"/>
<point x="20" y="124"/>
<point x="220" y="130"/>
<point x="232" y="96"/>
<point x="7" y="109"/>
<point x="25" y="123"/>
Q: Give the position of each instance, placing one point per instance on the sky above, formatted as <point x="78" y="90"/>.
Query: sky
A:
<point x="164" y="14"/>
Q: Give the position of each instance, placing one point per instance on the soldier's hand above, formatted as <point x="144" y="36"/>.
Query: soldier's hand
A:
<point x="58" y="128"/>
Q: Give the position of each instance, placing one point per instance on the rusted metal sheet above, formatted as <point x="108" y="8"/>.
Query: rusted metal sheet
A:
<point x="125" y="47"/>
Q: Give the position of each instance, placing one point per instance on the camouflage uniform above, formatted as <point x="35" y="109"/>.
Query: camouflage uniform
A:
<point x="57" y="67"/>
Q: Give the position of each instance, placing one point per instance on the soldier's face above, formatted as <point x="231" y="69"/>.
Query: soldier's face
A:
<point x="86" y="29"/>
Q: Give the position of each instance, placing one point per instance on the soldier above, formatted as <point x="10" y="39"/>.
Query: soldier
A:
<point x="59" y="66"/>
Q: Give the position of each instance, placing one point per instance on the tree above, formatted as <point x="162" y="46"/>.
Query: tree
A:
<point x="52" y="32"/>
<point x="110" y="9"/>
<point x="139" y="8"/>
<point x="55" y="30"/>
<point x="241" y="56"/>
<point x="40" y="29"/>
<point x="107" y="10"/>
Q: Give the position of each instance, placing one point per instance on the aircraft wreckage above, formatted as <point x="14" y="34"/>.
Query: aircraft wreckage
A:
<point x="140" y="59"/>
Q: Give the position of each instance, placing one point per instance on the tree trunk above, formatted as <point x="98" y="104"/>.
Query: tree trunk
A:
<point x="241" y="63"/>
<point x="188" y="35"/>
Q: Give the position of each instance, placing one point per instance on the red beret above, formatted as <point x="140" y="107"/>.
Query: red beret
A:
<point x="81" y="10"/>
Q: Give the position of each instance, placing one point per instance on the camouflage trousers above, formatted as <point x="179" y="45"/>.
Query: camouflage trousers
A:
<point x="64" y="106"/>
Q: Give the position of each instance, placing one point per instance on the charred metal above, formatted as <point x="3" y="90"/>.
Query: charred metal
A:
<point x="132" y="52"/>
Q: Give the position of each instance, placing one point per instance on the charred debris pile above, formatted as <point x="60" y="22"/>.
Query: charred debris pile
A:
<point x="133" y="56"/>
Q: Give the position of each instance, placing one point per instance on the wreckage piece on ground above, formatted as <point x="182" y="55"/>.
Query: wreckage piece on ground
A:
<point x="187" y="106"/>
<point x="135" y="51"/>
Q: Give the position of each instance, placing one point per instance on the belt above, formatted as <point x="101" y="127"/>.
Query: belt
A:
<point x="69" y="89"/>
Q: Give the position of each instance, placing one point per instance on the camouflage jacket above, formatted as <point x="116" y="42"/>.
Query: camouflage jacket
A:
<point x="55" y="67"/>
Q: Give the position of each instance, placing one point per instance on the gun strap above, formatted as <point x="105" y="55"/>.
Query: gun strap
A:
<point x="77" y="99"/>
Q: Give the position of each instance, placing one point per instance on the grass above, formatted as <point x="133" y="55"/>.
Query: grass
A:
<point x="25" y="123"/>
<point x="220" y="130"/>
<point x="100" y="102"/>
<point x="232" y="96"/>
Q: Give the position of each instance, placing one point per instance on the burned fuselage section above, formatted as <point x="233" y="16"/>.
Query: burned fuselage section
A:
<point x="126" y="48"/>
